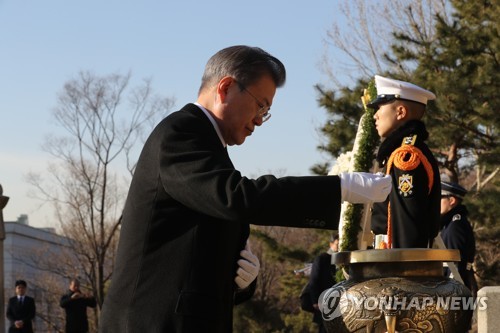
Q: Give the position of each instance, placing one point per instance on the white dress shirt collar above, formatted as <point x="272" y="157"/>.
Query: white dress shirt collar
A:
<point x="214" y="123"/>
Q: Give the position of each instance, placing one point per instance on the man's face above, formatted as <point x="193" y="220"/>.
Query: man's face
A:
<point x="386" y="119"/>
<point x="447" y="203"/>
<point x="335" y="245"/>
<point x="74" y="286"/>
<point x="20" y="290"/>
<point x="240" y="109"/>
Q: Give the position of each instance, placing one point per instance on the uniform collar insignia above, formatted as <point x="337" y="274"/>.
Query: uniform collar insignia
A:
<point x="409" y="140"/>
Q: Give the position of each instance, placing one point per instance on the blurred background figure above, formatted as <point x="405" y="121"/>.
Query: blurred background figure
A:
<point x="322" y="277"/>
<point x="75" y="304"/>
<point x="21" y="310"/>
<point x="457" y="232"/>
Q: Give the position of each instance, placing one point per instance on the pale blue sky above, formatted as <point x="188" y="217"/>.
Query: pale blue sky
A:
<point x="43" y="44"/>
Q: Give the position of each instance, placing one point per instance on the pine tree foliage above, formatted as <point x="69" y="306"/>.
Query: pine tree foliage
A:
<point x="461" y="65"/>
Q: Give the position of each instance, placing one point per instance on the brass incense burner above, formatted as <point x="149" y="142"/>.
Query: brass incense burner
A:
<point x="396" y="290"/>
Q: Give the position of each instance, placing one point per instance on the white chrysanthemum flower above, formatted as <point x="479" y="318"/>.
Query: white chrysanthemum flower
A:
<point x="342" y="164"/>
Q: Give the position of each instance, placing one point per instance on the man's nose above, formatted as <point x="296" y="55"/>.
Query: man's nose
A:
<point x="258" y="120"/>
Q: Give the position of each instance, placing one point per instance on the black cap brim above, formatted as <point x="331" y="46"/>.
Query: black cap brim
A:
<point x="381" y="99"/>
<point x="453" y="189"/>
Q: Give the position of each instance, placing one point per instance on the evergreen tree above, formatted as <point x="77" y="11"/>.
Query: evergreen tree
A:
<point x="461" y="65"/>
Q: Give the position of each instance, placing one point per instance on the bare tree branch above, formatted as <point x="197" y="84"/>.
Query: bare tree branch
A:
<point x="103" y="118"/>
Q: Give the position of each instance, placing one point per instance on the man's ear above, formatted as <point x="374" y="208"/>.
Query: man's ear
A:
<point x="453" y="201"/>
<point x="401" y="111"/>
<point x="223" y="87"/>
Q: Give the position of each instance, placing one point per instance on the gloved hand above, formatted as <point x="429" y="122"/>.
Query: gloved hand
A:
<point x="248" y="268"/>
<point x="363" y="187"/>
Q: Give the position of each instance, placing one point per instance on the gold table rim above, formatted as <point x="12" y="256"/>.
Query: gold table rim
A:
<point x="395" y="255"/>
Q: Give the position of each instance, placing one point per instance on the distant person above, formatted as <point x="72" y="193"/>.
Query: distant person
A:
<point x="457" y="232"/>
<point x="188" y="212"/>
<point x="21" y="310"/>
<point x="322" y="277"/>
<point x="409" y="218"/>
<point x="75" y="304"/>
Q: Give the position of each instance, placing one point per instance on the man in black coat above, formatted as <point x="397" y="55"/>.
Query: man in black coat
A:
<point x="187" y="215"/>
<point x="21" y="310"/>
<point x="75" y="304"/>
<point x="409" y="218"/>
<point x="322" y="277"/>
<point x="457" y="232"/>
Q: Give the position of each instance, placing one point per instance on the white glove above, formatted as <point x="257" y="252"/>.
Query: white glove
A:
<point x="363" y="187"/>
<point x="248" y="268"/>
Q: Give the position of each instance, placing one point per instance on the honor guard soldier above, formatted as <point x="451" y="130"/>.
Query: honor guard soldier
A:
<point x="409" y="218"/>
<point x="457" y="232"/>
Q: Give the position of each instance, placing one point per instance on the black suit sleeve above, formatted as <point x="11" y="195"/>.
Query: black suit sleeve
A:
<point x="91" y="302"/>
<point x="202" y="177"/>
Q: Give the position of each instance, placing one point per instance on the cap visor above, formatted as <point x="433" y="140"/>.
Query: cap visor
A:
<point x="381" y="99"/>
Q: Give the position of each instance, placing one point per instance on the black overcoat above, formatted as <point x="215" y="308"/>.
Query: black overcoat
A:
<point x="322" y="278"/>
<point x="185" y="221"/>
<point x="76" y="312"/>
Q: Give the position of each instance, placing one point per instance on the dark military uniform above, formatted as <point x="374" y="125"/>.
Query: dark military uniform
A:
<point x="457" y="234"/>
<point x="415" y="208"/>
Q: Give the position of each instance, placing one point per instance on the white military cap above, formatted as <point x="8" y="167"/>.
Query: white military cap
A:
<point x="390" y="89"/>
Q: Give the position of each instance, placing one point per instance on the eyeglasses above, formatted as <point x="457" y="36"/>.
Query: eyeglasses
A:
<point x="263" y="112"/>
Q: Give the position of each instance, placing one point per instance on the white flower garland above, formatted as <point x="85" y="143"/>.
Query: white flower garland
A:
<point x="346" y="162"/>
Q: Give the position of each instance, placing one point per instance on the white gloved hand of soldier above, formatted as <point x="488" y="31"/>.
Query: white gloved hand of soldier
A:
<point x="363" y="187"/>
<point x="248" y="268"/>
